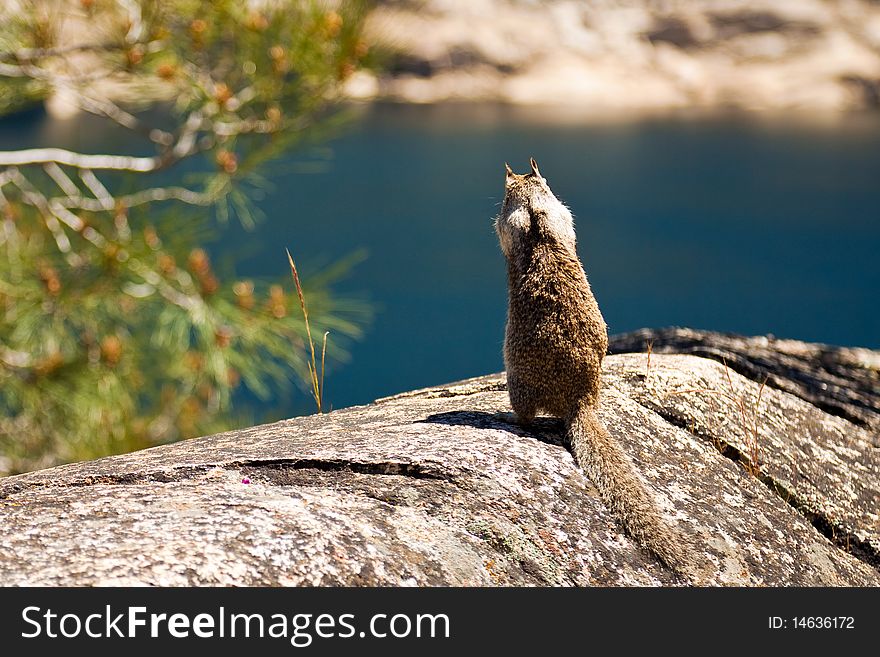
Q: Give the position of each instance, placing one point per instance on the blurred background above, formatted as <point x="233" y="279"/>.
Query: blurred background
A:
<point x="721" y="158"/>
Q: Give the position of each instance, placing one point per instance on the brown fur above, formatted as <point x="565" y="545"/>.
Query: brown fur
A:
<point x="553" y="349"/>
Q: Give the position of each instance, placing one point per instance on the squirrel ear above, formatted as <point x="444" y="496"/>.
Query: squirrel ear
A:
<point x="509" y="171"/>
<point x="535" y="167"/>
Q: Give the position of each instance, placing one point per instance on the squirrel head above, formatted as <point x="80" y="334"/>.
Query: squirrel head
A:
<point x="531" y="211"/>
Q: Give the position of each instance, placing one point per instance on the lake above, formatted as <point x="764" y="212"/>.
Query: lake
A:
<point x="754" y="224"/>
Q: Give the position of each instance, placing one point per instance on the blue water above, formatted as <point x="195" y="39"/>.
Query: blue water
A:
<point x="748" y="223"/>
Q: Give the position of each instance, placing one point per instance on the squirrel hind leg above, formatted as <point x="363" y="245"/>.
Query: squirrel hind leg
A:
<point x="524" y="407"/>
<point x="524" y="416"/>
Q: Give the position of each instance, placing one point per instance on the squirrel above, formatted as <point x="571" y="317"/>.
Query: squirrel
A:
<point x="554" y="344"/>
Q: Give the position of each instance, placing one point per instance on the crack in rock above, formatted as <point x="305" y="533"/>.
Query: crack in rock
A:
<point x="841" y="538"/>
<point x="381" y="468"/>
<point x="124" y="479"/>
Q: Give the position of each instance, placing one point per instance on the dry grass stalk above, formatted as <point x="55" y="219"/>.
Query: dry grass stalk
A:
<point x="317" y="383"/>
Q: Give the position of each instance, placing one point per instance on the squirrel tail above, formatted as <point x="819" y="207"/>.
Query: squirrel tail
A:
<point x="623" y="492"/>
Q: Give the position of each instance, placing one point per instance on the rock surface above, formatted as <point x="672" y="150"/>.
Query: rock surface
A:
<point x="640" y="55"/>
<point x="439" y="487"/>
<point x="844" y="381"/>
